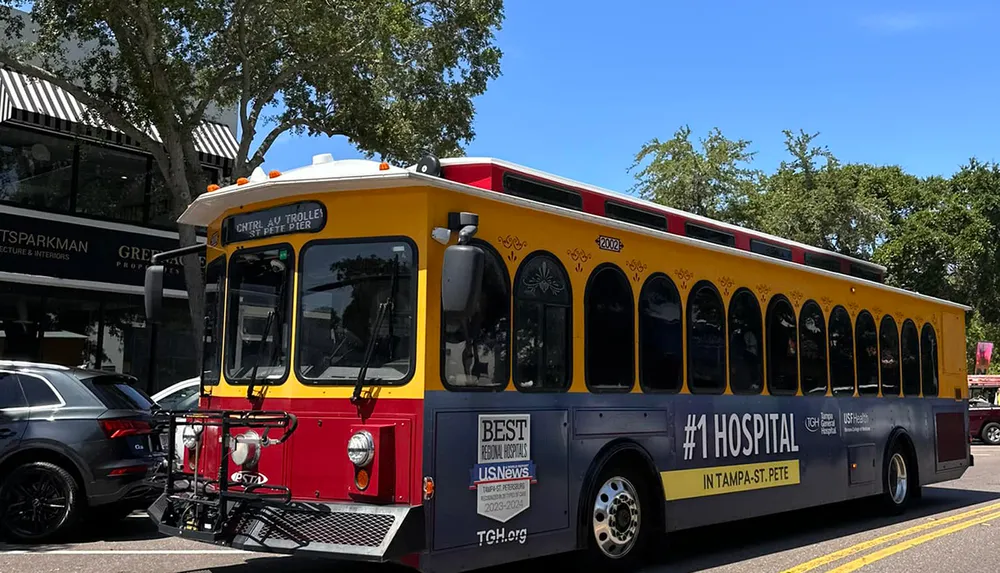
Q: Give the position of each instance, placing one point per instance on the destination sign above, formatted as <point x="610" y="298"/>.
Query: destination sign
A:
<point x="303" y="217"/>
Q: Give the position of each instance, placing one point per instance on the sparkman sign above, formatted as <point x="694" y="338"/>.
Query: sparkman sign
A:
<point x="502" y="479"/>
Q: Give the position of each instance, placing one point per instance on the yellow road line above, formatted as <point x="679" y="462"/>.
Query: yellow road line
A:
<point x="899" y="547"/>
<point x="865" y="545"/>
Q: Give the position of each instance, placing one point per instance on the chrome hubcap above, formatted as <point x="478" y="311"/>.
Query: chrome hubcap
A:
<point x="897" y="478"/>
<point x="993" y="434"/>
<point x="616" y="517"/>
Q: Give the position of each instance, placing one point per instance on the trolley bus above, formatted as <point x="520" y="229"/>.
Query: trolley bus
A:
<point x="468" y="362"/>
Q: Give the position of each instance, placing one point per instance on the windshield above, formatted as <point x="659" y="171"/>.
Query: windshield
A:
<point x="257" y="315"/>
<point x="215" y="274"/>
<point x="343" y="286"/>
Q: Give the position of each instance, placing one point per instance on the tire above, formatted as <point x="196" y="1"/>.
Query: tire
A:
<point x="898" y="479"/>
<point x="38" y="489"/>
<point x="620" y="519"/>
<point x="991" y="434"/>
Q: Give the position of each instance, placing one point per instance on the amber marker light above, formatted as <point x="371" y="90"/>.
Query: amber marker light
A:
<point x="383" y="166"/>
<point x="274" y="173"/>
<point x="361" y="478"/>
<point x="242" y="181"/>
<point x="212" y="187"/>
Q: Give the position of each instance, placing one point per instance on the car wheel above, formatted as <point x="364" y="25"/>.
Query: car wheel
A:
<point x="991" y="433"/>
<point x="39" y="500"/>
<point x="621" y="519"/>
<point x="898" y="480"/>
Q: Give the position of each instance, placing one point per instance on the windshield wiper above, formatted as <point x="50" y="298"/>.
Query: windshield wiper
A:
<point x="271" y="315"/>
<point x="384" y="308"/>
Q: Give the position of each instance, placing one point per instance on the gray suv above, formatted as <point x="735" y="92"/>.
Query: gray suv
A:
<point x="74" y="444"/>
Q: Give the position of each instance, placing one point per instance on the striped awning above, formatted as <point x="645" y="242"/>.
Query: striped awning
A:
<point x="37" y="102"/>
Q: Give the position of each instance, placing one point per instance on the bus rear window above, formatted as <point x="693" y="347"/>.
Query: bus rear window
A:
<point x="116" y="393"/>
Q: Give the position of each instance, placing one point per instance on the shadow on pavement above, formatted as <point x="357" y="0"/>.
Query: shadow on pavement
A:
<point x="721" y="545"/>
<point x="299" y="565"/>
<point x="138" y="527"/>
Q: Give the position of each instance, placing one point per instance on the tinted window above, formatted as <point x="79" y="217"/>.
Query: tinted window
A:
<point x="822" y="262"/>
<point x="709" y="234"/>
<point x="37" y="392"/>
<point x="257" y="319"/>
<point x="215" y="275"/>
<point x="542" y="324"/>
<point x="542" y="192"/>
<point x="10" y="392"/>
<point x="888" y="344"/>
<point x="111" y="182"/>
<point x="475" y="350"/>
<point x="866" y="354"/>
<point x="929" y="360"/>
<point x="909" y="353"/>
<point x="661" y="335"/>
<point x="746" y="341"/>
<point x="356" y="298"/>
<point x="609" y="329"/>
<point x="706" y="335"/>
<point x="635" y="216"/>
<point x="812" y="348"/>
<point x="770" y="250"/>
<point x="841" y="352"/>
<point x="782" y="351"/>
<point x="869" y="274"/>
<point x="37" y="168"/>
<point x="116" y="393"/>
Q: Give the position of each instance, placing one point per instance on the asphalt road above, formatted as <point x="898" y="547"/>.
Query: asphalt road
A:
<point x="952" y="529"/>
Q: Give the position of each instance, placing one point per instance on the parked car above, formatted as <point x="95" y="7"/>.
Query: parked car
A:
<point x="984" y="421"/>
<point x="74" y="443"/>
<point x="179" y="397"/>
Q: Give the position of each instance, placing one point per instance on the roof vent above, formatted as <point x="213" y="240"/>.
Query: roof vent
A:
<point x="322" y="158"/>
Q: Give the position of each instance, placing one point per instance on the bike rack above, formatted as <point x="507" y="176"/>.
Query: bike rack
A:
<point x="225" y="503"/>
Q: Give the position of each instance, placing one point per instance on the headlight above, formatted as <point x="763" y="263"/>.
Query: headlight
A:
<point x="190" y="435"/>
<point x="246" y="448"/>
<point x="361" y="448"/>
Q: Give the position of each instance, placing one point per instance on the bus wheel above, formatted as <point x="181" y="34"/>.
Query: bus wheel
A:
<point x="991" y="433"/>
<point x="898" y="480"/>
<point x="620" y="521"/>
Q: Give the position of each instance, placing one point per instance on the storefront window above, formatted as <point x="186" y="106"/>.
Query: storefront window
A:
<point x="112" y="183"/>
<point x="36" y="170"/>
<point x="92" y="329"/>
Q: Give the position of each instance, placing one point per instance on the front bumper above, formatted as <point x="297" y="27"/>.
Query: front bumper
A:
<point x="342" y="530"/>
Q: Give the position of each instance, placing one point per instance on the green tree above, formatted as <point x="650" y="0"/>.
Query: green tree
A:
<point x="394" y="76"/>
<point x="714" y="180"/>
<point x="814" y="199"/>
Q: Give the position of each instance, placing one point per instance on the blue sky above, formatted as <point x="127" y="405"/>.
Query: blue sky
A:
<point x="586" y="83"/>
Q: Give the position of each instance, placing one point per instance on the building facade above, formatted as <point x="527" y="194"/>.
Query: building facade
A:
<point x="82" y="209"/>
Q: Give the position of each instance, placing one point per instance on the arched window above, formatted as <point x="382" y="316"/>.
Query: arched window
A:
<point x="888" y="346"/>
<point x="812" y="348"/>
<point x="782" y="348"/>
<point x="929" y="361"/>
<point x="609" y="329"/>
<point x="841" y="353"/>
<point x="746" y="341"/>
<point x="475" y="350"/>
<point x="706" y="340"/>
<point x="661" y="336"/>
<point x="866" y="356"/>
<point x="543" y="341"/>
<point x="909" y="353"/>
